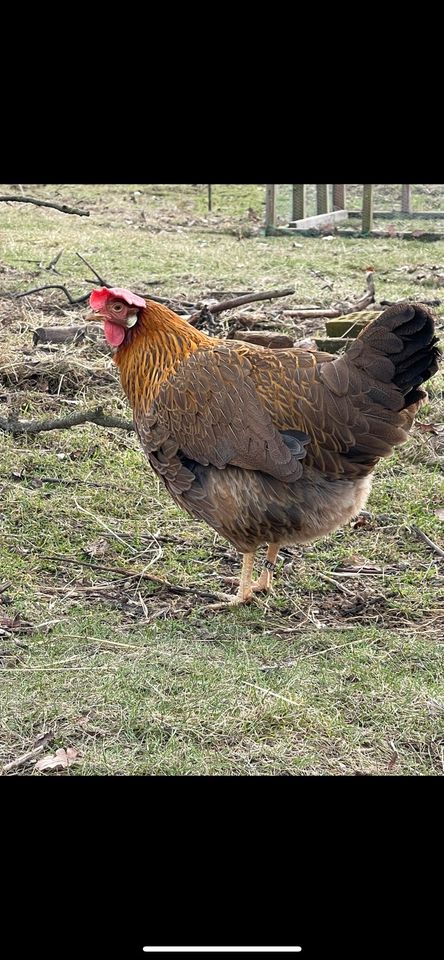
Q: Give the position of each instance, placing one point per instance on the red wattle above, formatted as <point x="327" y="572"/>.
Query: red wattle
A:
<point x="114" y="333"/>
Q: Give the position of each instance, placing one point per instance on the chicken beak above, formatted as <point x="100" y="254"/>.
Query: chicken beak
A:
<point x="98" y="318"/>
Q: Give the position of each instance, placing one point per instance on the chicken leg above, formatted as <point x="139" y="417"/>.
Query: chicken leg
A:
<point x="245" y="589"/>
<point x="263" y="584"/>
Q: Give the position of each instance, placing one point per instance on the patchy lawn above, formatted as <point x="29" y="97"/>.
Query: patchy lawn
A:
<point x="341" y="671"/>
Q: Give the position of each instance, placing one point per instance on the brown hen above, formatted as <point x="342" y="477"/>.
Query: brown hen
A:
<point x="267" y="446"/>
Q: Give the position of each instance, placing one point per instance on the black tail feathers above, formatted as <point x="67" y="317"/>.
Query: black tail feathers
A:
<point x="405" y="334"/>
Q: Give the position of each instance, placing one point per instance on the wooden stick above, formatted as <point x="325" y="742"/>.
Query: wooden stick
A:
<point x="312" y="313"/>
<point x="249" y="298"/>
<point x="339" y="586"/>
<point x="97" y="275"/>
<point x="264" y="338"/>
<point x="114" y="643"/>
<point x="423" y="536"/>
<point x="48" y="286"/>
<point x="65" y="334"/>
<point x="20" y="761"/>
<point x="428" y="303"/>
<point x="135" y="575"/>
<point x="96" y="416"/>
<point x="11" y="198"/>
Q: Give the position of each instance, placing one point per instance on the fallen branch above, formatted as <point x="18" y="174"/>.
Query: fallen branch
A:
<point x="263" y="338"/>
<point x="49" y="286"/>
<point x="133" y="575"/>
<point x="313" y="313"/>
<point x="97" y="416"/>
<point x="65" y="334"/>
<point x="63" y="207"/>
<point x="248" y="298"/>
<point x="20" y="761"/>
<point x="331" y="313"/>
<point x="180" y="308"/>
<point x="41" y="745"/>
<point x="361" y="304"/>
<point x="428" y="303"/>
<point x="112" y="643"/>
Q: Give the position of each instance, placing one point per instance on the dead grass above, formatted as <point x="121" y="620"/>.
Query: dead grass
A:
<point x="341" y="671"/>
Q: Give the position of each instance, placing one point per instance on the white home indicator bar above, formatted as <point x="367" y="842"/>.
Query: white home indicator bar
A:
<point x="222" y="949"/>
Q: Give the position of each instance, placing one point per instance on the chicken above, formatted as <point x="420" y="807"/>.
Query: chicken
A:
<point x="271" y="447"/>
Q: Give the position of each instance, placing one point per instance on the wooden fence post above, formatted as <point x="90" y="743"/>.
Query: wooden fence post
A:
<point x="322" y="197"/>
<point x="270" y="205"/>
<point x="405" y="200"/>
<point x="298" y="201"/>
<point x="339" y="196"/>
<point x="367" y="208"/>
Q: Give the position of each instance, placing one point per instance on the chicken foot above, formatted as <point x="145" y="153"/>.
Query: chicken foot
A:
<point x="245" y="590"/>
<point x="263" y="584"/>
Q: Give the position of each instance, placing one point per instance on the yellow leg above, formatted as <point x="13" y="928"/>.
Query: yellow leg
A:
<point x="245" y="591"/>
<point x="263" y="585"/>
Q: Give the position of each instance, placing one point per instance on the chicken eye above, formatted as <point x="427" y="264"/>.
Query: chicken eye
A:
<point x="118" y="307"/>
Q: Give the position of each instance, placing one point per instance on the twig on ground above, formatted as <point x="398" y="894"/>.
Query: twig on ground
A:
<point x="97" y="416"/>
<point x="53" y="263"/>
<point x="339" y="586"/>
<point x="97" y="275"/>
<point x="133" y="575"/>
<point x="49" y="286"/>
<point x="63" y="207"/>
<point x="59" y="334"/>
<point x="20" y="761"/>
<point x="239" y="301"/>
<point x="423" y="536"/>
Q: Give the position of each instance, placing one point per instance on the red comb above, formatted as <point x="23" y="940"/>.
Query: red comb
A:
<point x="99" y="297"/>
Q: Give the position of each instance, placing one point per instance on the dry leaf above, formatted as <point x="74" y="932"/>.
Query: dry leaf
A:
<point x="435" y="428"/>
<point x="97" y="549"/>
<point x="59" y="760"/>
<point x="393" y="761"/>
<point x="362" y="521"/>
<point x="440" y="513"/>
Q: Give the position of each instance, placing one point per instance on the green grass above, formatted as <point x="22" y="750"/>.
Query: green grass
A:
<point x="330" y="675"/>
